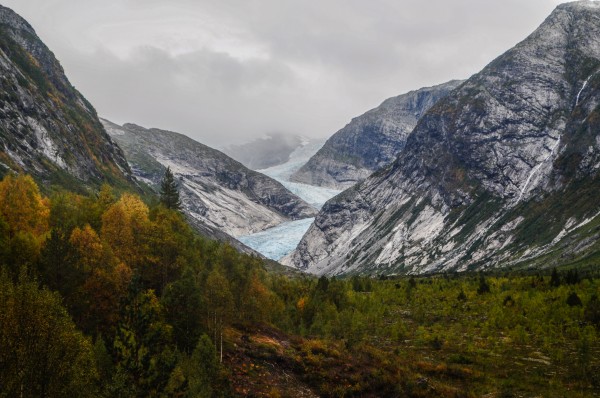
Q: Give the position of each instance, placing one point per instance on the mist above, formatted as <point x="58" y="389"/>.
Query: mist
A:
<point x="229" y="72"/>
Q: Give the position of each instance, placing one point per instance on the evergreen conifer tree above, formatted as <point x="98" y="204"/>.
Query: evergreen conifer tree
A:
<point x="555" y="278"/>
<point x="169" y="192"/>
<point x="483" y="285"/>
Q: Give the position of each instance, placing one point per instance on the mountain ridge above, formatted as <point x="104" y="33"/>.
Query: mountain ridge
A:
<point x="370" y="141"/>
<point x="47" y="128"/>
<point x="481" y="166"/>
<point x="269" y="151"/>
<point x="214" y="188"/>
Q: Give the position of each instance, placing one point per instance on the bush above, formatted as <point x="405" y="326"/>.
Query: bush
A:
<point x="483" y="286"/>
<point x="592" y="311"/>
<point x="574" y="300"/>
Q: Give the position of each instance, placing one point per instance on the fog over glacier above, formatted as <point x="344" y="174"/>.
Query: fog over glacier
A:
<point x="229" y="71"/>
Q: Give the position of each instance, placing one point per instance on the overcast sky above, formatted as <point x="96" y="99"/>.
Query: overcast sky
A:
<point x="227" y="71"/>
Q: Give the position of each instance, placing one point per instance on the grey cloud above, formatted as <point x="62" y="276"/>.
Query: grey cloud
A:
<point x="208" y="95"/>
<point x="256" y="66"/>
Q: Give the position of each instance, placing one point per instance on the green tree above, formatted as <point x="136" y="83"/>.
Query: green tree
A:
<point x="169" y="192"/>
<point x="573" y="300"/>
<point x="572" y="277"/>
<point x="182" y="301"/>
<point x="219" y="306"/>
<point x="169" y="247"/>
<point x="42" y="354"/>
<point x="554" y="278"/>
<point x="199" y="375"/>
<point x="57" y="262"/>
<point x="323" y="283"/>
<point x="484" y="287"/>
<point x="202" y="369"/>
<point x="592" y="311"/>
<point x="142" y="343"/>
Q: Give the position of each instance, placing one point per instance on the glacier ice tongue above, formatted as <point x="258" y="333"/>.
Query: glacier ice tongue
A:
<point x="277" y="242"/>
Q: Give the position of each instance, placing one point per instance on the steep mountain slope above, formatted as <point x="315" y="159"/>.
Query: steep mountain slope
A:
<point x="47" y="128"/>
<point x="215" y="189"/>
<point x="503" y="171"/>
<point x="370" y="141"/>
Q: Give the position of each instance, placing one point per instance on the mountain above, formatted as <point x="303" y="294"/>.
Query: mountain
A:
<point x="370" y="141"/>
<point x="272" y="150"/>
<point x="502" y="172"/>
<point x="214" y="189"/>
<point x="47" y="128"/>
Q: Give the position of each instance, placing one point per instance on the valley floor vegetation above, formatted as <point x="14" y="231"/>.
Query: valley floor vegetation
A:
<point x="107" y="296"/>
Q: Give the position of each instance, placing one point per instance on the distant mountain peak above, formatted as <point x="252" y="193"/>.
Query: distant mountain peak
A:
<point x="270" y="150"/>
<point x="370" y="141"/>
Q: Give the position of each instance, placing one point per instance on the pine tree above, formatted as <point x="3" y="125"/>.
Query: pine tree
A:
<point x="483" y="285"/>
<point x="554" y="278"/>
<point x="169" y="192"/>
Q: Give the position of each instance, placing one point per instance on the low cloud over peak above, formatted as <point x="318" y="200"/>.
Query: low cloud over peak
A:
<point x="226" y="72"/>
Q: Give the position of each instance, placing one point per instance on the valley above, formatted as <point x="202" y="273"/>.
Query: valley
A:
<point x="445" y="243"/>
<point x="277" y="242"/>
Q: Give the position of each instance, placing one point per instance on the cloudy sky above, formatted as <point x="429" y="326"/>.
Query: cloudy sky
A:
<point x="227" y="71"/>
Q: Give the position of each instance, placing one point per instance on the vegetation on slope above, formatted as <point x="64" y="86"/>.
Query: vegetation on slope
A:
<point x="107" y="296"/>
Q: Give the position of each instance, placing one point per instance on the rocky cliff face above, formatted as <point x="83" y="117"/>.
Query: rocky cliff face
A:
<point x="47" y="128"/>
<point x="370" y="141"/>
<point x="504" y="171"/>
<point x="214" y="188"/>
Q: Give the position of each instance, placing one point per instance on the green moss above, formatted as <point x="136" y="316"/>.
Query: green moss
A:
<point x="483" y="208"/>
<point x="24" y="61"/>
<point x="391" y="222"/>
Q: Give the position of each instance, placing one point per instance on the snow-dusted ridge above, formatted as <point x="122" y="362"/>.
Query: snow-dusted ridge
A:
<point x="369" y="141"/>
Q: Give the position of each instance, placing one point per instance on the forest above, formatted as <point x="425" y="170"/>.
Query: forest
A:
<point x="109" y="295"/>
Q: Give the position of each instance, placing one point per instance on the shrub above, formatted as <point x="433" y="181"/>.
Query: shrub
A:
<point x="574" y="300"/>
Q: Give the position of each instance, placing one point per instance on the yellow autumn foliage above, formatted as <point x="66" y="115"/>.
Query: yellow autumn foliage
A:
<point x="88" y="247"/>
<point x="22" y="206"/>
<point x="125" y="227"/>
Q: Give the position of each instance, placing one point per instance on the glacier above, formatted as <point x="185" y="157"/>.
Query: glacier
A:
<point x="313" y="195"/>
<point x="277" y="242"/>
